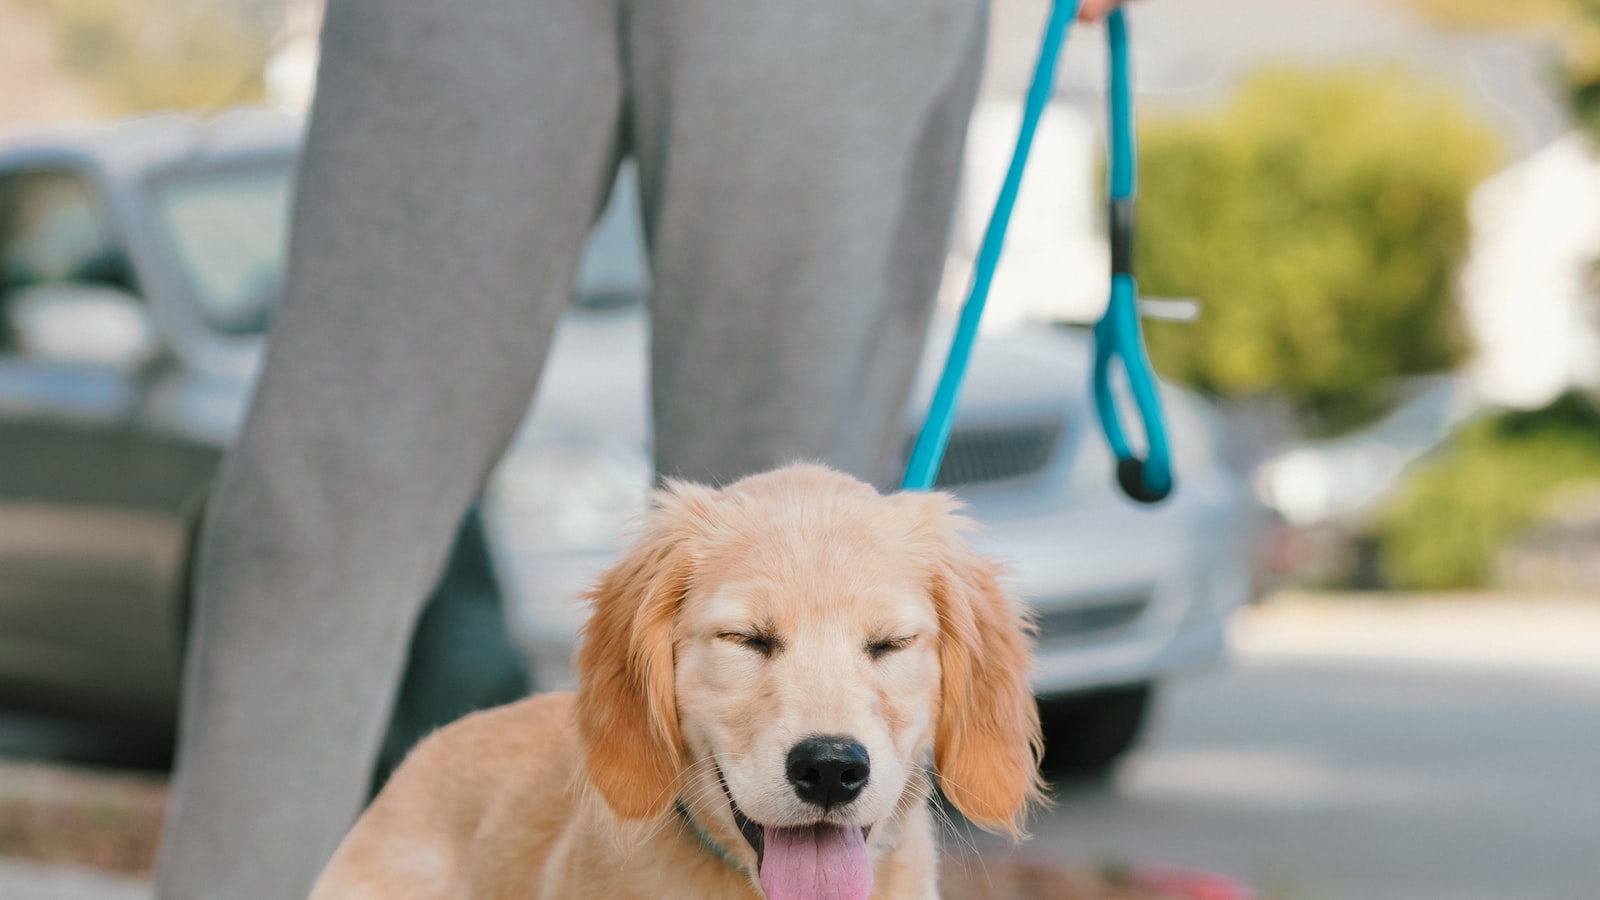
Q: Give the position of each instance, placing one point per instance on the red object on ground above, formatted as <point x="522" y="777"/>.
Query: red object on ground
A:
<point x="1190" y="885"/>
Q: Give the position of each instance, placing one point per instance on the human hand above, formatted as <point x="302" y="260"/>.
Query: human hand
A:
<point x="1095" y="10"/>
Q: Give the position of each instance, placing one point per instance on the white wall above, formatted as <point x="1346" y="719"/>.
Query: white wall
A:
<point x="1528" y="290"/>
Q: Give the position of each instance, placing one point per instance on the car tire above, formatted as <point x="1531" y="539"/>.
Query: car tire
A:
<point x="1086" y="735"/>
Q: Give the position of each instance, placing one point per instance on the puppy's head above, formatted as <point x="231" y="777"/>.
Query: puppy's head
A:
<point x="784" y="658"/>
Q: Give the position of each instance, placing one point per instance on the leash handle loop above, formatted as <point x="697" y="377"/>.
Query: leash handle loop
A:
<point x="1118" y="335"/>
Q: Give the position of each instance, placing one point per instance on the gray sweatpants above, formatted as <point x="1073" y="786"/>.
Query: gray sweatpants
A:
<point x="798" y="162"/>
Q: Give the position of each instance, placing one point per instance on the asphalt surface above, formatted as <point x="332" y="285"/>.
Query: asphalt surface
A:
<point x="1454" y="754"/>
<point x="1335" y="781"/>
<point x="1378" y="751"/>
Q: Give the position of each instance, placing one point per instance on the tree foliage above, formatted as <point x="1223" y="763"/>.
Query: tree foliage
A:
<point x="1320" y="218"/>
<point x="139" y="55"/>
<point x="1482" y="15"/>
<point x="1581" y="64"/>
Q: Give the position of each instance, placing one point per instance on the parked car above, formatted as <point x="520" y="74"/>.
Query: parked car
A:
<point x="139" y="265"/>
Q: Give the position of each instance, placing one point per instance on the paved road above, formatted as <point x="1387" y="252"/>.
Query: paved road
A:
<point x="1361" y="779"/>
<point x="1444" y="751"/>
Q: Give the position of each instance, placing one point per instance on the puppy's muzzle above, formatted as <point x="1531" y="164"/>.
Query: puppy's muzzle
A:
<point x="828" y="770"/>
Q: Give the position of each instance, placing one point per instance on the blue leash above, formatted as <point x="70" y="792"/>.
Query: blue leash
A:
<point x="1117" y="334"/>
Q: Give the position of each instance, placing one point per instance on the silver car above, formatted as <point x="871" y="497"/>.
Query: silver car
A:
<point x="139" y="263"/>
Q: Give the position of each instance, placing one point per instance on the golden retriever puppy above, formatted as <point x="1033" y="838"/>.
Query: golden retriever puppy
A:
<point x="770" y="681"/>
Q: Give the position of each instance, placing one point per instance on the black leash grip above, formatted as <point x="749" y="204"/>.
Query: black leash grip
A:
<point x="1130" y="476"/>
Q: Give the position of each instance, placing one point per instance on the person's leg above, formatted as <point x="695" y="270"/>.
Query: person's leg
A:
<point x="456" y="157"/>
<point x="461" y="658"/>
<point x="799" y="161"/>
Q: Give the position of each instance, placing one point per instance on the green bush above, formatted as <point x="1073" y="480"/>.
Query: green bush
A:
<point x="1458" y="508"/>
<point x="1320" y="218"/>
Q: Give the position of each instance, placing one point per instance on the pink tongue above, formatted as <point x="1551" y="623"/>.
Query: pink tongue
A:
<point x="820" y="862"/>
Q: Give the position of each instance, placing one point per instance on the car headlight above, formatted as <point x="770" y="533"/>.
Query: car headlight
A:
<point x="562" y="497"/>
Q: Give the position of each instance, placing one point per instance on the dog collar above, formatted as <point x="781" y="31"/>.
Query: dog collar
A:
<point x="705" y="839"/>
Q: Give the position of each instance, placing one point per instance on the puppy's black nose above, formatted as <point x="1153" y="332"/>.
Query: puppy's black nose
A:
<point x="828" y="770"/>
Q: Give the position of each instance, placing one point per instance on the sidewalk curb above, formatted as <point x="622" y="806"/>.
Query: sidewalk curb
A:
<point x="21" y="880"/>
<point x="1500" y="632"/>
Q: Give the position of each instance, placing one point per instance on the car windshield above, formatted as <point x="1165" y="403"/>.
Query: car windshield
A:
<point x="228" y="229"/>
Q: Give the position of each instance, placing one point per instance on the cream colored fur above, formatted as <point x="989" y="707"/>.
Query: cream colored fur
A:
<point x="788" y="604"/>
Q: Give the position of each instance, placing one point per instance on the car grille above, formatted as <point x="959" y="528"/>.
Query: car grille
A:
<point x="1103" y="614"/>
<point x="983" y="454"/>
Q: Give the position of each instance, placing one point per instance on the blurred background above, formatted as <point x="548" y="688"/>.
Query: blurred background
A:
<point x="1357" y="657"/>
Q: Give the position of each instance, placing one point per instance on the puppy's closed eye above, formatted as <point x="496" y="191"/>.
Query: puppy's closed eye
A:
<point x="878" y="648"/>
<point x="763" y="642"/>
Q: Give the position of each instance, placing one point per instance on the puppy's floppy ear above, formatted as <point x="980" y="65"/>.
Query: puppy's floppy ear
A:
<point x="627" y="714"/>
<point x="987" y="742"/>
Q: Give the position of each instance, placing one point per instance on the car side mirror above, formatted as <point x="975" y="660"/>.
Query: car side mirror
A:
<point x="82" y="323"/>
